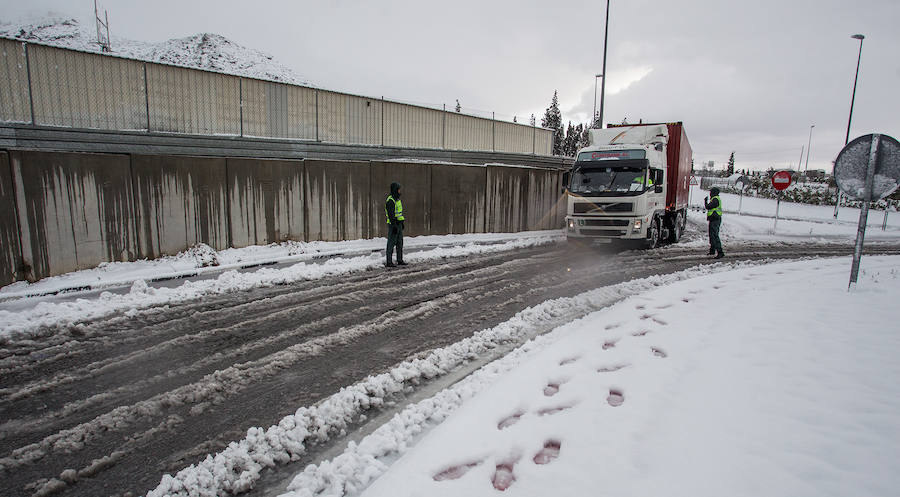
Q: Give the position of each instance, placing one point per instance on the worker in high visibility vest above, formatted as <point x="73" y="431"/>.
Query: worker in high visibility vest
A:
<point x="393" y="210"/>
<point x="714" y="216"/>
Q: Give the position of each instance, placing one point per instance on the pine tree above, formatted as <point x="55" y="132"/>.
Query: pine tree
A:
<point x="581" y="137"/>
<point x="458" y="108"/>
<point x="514" y="119"/>
<point x="553" y="120"/>
<point x="731" y="164"/>
<point x="533" y="121"/>
<point x="570" y="142"/>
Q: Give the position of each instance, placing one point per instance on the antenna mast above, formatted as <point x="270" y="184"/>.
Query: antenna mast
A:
<point x="102" y="38"/>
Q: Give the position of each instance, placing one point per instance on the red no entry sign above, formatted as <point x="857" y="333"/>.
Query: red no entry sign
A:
<point x="781" y="180"/>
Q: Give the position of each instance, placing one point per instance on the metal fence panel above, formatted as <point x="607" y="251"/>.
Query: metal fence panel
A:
<point x="410" y="126"/>
<point x="543" y="141"/>
<point x="85" y="90"/>
<point x="468" y="133"/>
<point x="14" y="98"/>
<point x="276" y="110"/>
<point x="511" y="137"/>
<point x="349" y="119"/>
<point x="190" y="101"/>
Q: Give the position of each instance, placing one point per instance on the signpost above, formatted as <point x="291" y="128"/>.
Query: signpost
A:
<point x="780" y="181"/>
<point x="867" y="169"/>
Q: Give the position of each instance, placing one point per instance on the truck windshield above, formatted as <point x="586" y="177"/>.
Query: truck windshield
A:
<point x="627" y="177"/>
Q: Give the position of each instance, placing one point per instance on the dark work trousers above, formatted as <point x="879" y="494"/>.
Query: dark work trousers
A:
<point x="395" y="239"/>
<point x="715" y="244"/>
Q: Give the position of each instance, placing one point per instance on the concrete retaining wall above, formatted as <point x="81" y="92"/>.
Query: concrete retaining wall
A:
<point x="64" y="211"/>
<point x="74" y="210"/>
<point x="11" y="255"/>
<point x="266" y="199"/>
<point x="180" y="202"/>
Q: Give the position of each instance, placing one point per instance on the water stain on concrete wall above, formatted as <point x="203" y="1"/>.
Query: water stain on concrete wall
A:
<point x="181" y="201"/>
<point x="266" y="201"/>
<point x="336" y="196"/>
<point x="10" y="244"/>
<point x="75" y="210"/>
<point x="457" y="199"/>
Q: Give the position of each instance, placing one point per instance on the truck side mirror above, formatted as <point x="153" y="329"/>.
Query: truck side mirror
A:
<point x="658" y="188"/>
<point x="565" y="180"/>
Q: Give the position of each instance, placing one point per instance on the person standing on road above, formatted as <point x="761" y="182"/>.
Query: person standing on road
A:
<point x="393" y="209"/>
<point x="714" y="215"/>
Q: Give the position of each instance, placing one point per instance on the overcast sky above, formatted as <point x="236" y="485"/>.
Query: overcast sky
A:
<point x="749" y="77"/>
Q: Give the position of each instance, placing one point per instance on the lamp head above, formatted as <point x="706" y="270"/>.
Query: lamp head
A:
<point x="858" y="37"/>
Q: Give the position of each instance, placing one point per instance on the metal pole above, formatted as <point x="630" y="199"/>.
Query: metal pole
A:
<point x="30" y="87"/>
<point x="147" y="96"/>
<point x="741" y="202"/>
<point x="777" y="207"/>
<point x="241" y="102"/>
<point x="603" y="84"/>
<point x="800" y="164"/>
<point x="859" y="37"/>
<point x="808" y="145"/>
<point x="317" y="115"/>
<point x="864" y="211"/>
<point x="884" y="223"/>
<point x="855" y="79"/>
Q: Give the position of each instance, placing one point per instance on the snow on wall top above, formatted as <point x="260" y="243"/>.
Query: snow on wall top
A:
<point x="206" y="51"/>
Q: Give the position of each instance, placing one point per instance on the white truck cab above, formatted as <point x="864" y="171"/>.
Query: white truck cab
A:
<point x="619" y="184"/>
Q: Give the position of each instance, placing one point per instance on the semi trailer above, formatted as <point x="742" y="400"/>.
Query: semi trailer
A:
<point x="630" y="184"/>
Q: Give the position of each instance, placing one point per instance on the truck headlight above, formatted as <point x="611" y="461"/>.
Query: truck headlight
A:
<point x="637" y="225"/>
<point x="572" y="224"/>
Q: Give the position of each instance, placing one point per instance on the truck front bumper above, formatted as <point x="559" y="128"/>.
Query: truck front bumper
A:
<point x="609" y="228"/>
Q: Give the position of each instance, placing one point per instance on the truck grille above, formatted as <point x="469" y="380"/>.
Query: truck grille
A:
<point x="601" y="207"/>
<point x="598" y="232"/>
<point x="603" y="222"/>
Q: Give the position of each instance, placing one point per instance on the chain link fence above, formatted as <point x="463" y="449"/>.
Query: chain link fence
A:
<point x="50" y="86"/>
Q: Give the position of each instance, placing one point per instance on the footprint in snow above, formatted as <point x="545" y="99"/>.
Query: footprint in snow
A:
<point x="503" y="476"/>
<point x="610" y="369"/>
<point x="569" y="360"/>
<point x="455" y="472"/>
<point x="548" y="411"/>
<point x="609" y="344"/>
<point x="615" y="398"/>
<point x="659" y="352"/>
<point x="552" y="388"/>
<point x="549" y="452"/>
<point x="510" y="420"/>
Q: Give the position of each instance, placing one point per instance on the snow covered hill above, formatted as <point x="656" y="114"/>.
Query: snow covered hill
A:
<point x="202" y="51"/>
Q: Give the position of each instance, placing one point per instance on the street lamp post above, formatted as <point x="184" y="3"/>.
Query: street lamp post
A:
<point x="603" y="84"/>
<point x="808" y="149"/>
<point x="594" y="115"/>
<point x="850" y="119"/>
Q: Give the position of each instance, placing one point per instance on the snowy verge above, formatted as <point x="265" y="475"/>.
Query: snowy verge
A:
<point x="141" y="296"/>
<point x="235" y="469"/>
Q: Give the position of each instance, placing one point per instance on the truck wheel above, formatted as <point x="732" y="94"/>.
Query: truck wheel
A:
<point x="653" y="234"/>
<point x="677" y="228"/>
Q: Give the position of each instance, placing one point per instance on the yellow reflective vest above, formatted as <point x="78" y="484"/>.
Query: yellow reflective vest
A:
<point x="717" y="209"/>
<point x="398" y="209"/>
